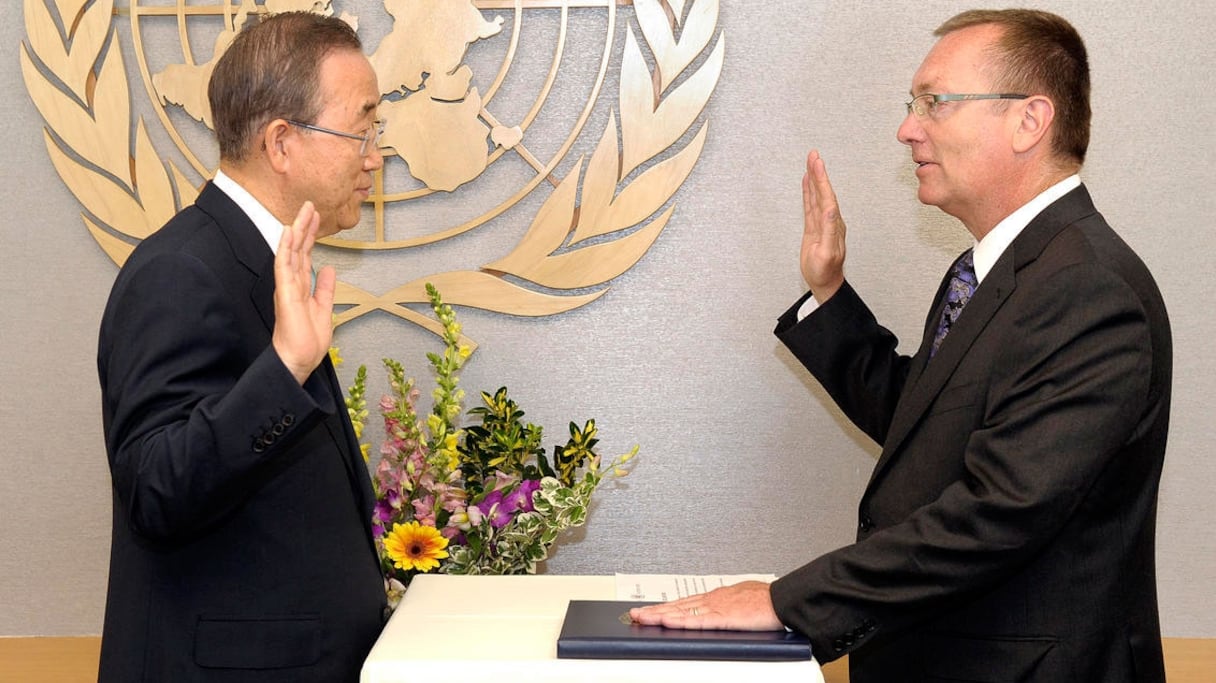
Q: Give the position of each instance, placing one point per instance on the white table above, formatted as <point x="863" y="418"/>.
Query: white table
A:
<point x="505" y="628"/>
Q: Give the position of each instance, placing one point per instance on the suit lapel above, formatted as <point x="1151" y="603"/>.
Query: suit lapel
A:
<point x="923" y="389"/>
<point x="343" y="433"/>
<point x="926" y="379"/>
<point x="248" y="246"/>
<point x="917" y="365"/>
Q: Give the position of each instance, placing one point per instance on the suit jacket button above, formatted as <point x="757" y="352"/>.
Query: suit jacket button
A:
<point x="278" y="429"/>
<point x="865" y="524"/>
<point x="838" y="645"/>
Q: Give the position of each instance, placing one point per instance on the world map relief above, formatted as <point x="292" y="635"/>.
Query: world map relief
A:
<point x="432" y="114"/>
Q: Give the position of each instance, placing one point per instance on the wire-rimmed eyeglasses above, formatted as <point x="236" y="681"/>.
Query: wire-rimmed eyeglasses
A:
<point x="926" y="104"/>
<point x="369" y="137"/>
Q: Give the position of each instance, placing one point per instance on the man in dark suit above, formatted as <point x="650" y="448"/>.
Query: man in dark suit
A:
<point x="1007" y="532"/>
<point x="242" y="545"/>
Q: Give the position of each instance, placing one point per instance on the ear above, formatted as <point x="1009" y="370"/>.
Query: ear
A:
<point x="1038" y="113"/>
<point x="276" y="143"/>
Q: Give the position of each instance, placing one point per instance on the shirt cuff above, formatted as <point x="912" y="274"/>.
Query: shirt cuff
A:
<point x="808" y="307"/>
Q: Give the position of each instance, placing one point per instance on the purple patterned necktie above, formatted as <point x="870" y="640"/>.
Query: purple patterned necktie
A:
<point x="962" y="285"/>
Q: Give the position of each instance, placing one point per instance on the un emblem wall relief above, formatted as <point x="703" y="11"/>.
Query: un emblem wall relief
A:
<point x="450" y="122"/>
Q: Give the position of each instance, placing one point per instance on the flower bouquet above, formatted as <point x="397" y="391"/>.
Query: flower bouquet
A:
<point x="482" y="499"/>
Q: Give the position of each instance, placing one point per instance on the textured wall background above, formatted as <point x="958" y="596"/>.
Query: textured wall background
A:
<point x="745" y="464"/>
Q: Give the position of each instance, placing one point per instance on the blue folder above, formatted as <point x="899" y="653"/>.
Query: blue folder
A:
<point x="601" y="629"/>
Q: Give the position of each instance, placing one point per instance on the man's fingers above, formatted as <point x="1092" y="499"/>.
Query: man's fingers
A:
<point x="285" y="255"/>
<point x="808" y="198"/>
<point x="825" y="196"/>
<point x="323" y="293"/>
<point x="654" y="614"/>
<point x="692" y="618"/>
<point x="304" y="217"/>
<point x="311" y="226"/>
<point x="299" y="237"/>
<point x="293" y="260"/>
<point x="818" y="198"/>
<point x="746" y="606"/>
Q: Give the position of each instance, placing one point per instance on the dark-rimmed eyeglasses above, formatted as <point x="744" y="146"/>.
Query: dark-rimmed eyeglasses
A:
<point x="367" y="138"/>
<point x="926" y="104"/>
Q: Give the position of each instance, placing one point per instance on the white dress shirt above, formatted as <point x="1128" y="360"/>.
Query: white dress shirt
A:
<point x="263" y="220"/>
<point x="989" y="249"/>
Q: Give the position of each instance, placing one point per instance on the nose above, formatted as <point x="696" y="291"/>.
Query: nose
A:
<point x="910" y="130"/>
<point x="374" y="159"/>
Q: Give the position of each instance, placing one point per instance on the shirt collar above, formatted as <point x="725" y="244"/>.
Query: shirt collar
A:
<point x="989" y="249"/>
<point x="269" y="226"/>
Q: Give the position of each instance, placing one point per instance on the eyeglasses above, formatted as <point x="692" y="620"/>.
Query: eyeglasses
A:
<point x="926" y="105"/>
<point x="369" y="136"/>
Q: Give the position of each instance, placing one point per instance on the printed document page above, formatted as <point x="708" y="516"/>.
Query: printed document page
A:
<point x="664" y="587"/>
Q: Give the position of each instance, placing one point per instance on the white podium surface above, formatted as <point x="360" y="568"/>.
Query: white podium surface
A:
<point x="505" y="628"/>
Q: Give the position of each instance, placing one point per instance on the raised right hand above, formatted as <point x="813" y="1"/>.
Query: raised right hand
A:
<point x="303" y="325"/>
<point x="822" y="257"/>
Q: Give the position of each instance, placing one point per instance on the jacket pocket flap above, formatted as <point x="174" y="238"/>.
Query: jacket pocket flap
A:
<point x="961" y="396"/>
<point x="257" y="643"/>
<point x="985" y="660"/>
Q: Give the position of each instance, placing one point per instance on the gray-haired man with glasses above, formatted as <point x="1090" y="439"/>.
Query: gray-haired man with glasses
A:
<point x="242" y="546"/>
<point x="1007" y="532"/>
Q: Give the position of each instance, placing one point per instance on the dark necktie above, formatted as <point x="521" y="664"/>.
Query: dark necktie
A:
<point x="962" y="285"/>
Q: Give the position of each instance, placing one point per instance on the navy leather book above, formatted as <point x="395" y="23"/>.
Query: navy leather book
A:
<point x="600" y="629"/>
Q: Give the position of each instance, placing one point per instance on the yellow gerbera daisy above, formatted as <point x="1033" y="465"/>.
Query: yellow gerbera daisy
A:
<point x="414" y="546"/>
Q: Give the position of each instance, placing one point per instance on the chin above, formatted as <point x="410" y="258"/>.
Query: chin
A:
<point x="930" y="196"/>
<point x="328" y="230"/>
<point x="926" y="197"/>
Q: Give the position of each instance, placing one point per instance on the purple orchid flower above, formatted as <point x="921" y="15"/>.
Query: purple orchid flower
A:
<point x="520" y="500"/>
